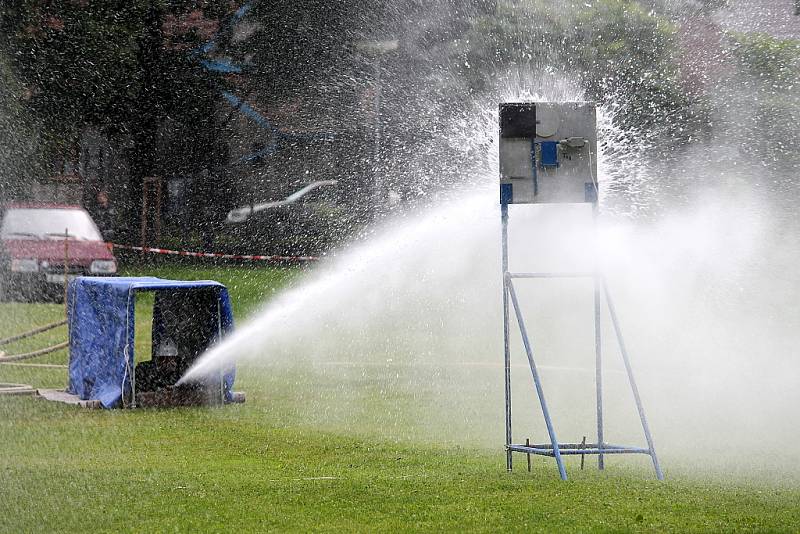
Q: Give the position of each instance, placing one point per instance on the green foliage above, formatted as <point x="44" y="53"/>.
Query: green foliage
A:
<point x="627" y="56"/>
<point x="623" y="53"/>
<point x="621" y="35"/>
<point x="87" y="63"/>
<point x="771" y="70"/>
<point x="764" y="56"/>
<point x="19" y="146"/>
<point x="126" y="68"/>
<point x="79" y="61"/>
<point x="516" y="35"/>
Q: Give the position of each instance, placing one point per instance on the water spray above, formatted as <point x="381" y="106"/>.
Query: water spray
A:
<point x="546" y="157"/>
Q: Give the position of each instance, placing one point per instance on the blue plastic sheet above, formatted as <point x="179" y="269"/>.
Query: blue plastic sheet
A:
<point x="101" y="322"/>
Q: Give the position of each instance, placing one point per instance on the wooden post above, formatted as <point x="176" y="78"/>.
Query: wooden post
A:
<point x="66" y="268"/>
<point x="143" y="244"/>
<point x="157" y="225"/>
<point x="151" y="186"/>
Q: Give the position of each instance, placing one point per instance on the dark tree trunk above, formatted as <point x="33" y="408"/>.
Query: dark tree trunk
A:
<point x="146" y="122"/>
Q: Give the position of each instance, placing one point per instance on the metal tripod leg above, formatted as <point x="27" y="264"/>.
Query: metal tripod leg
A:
<point x="598" y="351"/>
<point x="539" y="392"/>
<point x="598" y="344"/>
<point x="632" y="381"/>
<point x="507" y="358"/>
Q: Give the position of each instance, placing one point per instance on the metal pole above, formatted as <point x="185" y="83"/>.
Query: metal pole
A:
<point x="539" y="392"/>
<point x="129" y="305"/>
<point x="598" y="352"/>
<point x="378" y="194"/>
<point x="632" y="381"/>
<point x="598" y="346"/>
<point x="506" y="346"/>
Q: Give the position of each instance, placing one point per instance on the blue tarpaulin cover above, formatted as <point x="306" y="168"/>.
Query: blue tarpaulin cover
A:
<point x="101" y="324"/>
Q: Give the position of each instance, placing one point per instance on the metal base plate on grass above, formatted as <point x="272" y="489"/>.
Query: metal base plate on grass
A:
<point x="59" y="395"/>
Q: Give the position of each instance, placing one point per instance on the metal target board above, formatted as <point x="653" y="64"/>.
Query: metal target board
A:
<point x="548" y="152"/>
<point x="548" y="155"/>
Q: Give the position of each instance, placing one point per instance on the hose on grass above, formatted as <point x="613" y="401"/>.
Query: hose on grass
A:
<point x="37" y="365"/>
<point x="33" y="332"/>
<point x="26" y="355"/>
<point x="16" y="389"/>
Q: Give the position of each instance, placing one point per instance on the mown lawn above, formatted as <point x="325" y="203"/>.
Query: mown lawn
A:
<point x="258" y="467"/>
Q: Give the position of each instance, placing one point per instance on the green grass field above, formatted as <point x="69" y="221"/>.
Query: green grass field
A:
<point x="262" y="467"/>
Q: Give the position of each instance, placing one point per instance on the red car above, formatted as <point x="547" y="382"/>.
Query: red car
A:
<point x="33" y="249"/>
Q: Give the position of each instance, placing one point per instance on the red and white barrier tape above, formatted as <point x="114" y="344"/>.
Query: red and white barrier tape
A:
<point x="247" y="257"/>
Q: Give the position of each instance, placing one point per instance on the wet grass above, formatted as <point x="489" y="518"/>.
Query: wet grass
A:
<point x="241" y="468"/>
<point x="260" y="467"/>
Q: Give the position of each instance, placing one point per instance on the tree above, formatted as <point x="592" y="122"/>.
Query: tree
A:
<point x="766" y="97"/>
<point x="109" y="65"/>
<point x="20" y="158"/>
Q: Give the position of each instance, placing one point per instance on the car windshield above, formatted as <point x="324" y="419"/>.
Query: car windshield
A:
<point x="48" y="223"/>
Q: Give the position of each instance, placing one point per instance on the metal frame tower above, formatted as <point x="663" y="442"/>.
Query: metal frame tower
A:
<point x="518" y="122"/>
